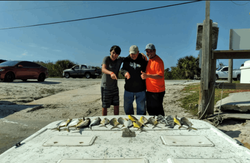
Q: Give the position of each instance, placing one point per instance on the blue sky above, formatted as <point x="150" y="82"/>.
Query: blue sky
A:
<point x="173" y="30"/>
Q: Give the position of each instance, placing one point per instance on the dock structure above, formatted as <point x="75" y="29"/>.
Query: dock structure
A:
<point x="160" y="144"/>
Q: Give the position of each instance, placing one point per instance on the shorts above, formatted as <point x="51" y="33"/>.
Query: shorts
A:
<point x="110" y="97"/>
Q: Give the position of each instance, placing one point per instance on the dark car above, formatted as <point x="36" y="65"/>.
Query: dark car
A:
<point x="10" y="70"/>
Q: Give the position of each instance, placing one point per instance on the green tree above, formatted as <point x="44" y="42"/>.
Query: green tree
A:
<point x="186" y="68"/>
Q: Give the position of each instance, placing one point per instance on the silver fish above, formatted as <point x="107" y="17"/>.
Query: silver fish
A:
<point x="186" y="122"/>
<point x="144" y="121"/>
<point x="95" y="122"/>
<point x="128" y="123"/>
<point x="114" y="123"/>
<point x="73" y="123"/>
<point x="153" y="121"/>
<point x="84" y="124"/>
<point x="121" y="121"/>
<point x="62" y="124"/>
<point x="104" y="122"/>
<point x="159" y="118"/>
<point x="169" y="121"/>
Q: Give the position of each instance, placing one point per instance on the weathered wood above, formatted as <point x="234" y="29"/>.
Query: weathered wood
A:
<point x="231" y="54"/>
<point x="211" y="87"/>
<point x="230" y="61"/>
<point x="206" y="63"/>
<point x="232" y="86"/>
<point x="230" y="70"/>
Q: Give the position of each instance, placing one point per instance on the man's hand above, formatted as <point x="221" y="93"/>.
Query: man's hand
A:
<point x="144" y="57"/>
<point x="127" y="75"/>
<point x="143" y="75"/>
<point x="113" y="76"/>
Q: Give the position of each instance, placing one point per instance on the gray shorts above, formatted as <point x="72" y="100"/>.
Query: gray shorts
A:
<point x="110" y="97"/>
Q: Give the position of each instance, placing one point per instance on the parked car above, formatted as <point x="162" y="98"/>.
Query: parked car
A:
<point x="81" y="71"/>
<point x="10" y="70"/>
<point x="222" y="73"/>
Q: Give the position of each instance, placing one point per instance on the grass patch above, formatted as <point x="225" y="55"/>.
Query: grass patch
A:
<point x="190" y="101"/>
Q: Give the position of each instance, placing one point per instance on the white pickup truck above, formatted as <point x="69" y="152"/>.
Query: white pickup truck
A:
<point x="222" y="73"/>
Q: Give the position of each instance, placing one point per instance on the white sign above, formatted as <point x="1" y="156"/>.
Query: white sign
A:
<point x="240" y="39"/>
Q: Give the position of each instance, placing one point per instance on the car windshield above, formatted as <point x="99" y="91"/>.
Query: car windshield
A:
<point x="219" y="68"/>
<point x="8" y="63"/>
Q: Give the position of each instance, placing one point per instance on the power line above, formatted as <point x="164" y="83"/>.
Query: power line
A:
<point x="37" y="8"/>
<point x="96" y="17"/>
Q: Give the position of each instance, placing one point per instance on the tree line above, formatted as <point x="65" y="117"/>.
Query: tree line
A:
<point x="186" y="68"/>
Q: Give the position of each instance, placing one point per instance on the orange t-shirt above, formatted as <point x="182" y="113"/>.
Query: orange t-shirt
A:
<point x="155" y="66"/>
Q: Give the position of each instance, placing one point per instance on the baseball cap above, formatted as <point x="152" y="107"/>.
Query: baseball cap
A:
<point x="150" y="46"/>
<point x="133" y="49"/>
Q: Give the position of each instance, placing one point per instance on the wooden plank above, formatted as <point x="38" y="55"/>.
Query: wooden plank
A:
<point x="232" y="86"/>
<point x="231" y="54"/>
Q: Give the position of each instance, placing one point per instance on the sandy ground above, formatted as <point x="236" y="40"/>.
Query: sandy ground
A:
<point x="26" y="107"/>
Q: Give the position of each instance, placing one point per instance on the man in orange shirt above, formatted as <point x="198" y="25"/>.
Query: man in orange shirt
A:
<point x="155" y="82"/>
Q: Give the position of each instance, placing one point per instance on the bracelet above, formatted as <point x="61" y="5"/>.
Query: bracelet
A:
<point x="111" y="73"/>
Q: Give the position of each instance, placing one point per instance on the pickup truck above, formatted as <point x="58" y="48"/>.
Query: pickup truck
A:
<point x="81" y="71"/>
<point x="222" y="73"/>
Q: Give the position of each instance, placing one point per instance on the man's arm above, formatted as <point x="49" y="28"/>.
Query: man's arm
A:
<point x="153" y="76"/>
<point x="106" y="71"/>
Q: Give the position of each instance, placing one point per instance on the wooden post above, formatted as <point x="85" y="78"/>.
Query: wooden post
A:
<point x="205" y="93"/>
<point x="230" y="61"/>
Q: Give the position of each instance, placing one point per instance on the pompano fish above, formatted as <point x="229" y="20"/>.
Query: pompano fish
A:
<point x="128" y="123"/>
<point x="104" y="122"/>
<point x="96" y="121"/>
<point x="138" y="124"/>
<point x="114" y="123"/>
<point x="153" y="121"/>
<point x="186" y="122"/>
<point x="73" y="123"/>
<point x="160" y="118"/>
<point x="132" y="118"/>
<point x="63" y="124"/>
<point x="143" y="120"/>
<point x="177" y="121"/>
<point x="121" y="121"/>
<point x="84" y="123"/>
<point x="169" y="121"/>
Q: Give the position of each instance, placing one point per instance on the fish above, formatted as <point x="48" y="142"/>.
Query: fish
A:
<point x="132" y="118"/>
<point x="186" y="122"/>
<point x="83" y="124"/>
<point x="63" y="124"/>
<point x="177" y="121"/>
<point x="128" y="123"/>
<point x="95" y="122"/>
<point x="144" y="121"/>
<point x="121" y="121"/>
<point x="139" y="125"/>
<point x="114" y="123"/>
<point x="153" y="121"/>
<point x="104" y="122"/>
<point x="160" y="118"/>
<point x="73" y="123"/>
<point x="169" y="121"/>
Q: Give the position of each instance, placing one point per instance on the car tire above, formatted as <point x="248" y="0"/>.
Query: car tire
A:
<point x="41" y="77"/>
<point x="67" y="75"/>
<point x="9" y="77"/>
<point x="87" y="75"/>
<point x="94" y="76"/>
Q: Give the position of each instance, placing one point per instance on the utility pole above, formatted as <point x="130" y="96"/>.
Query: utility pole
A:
<point x="230" y="61"/>
<point x="205" y="83"/>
